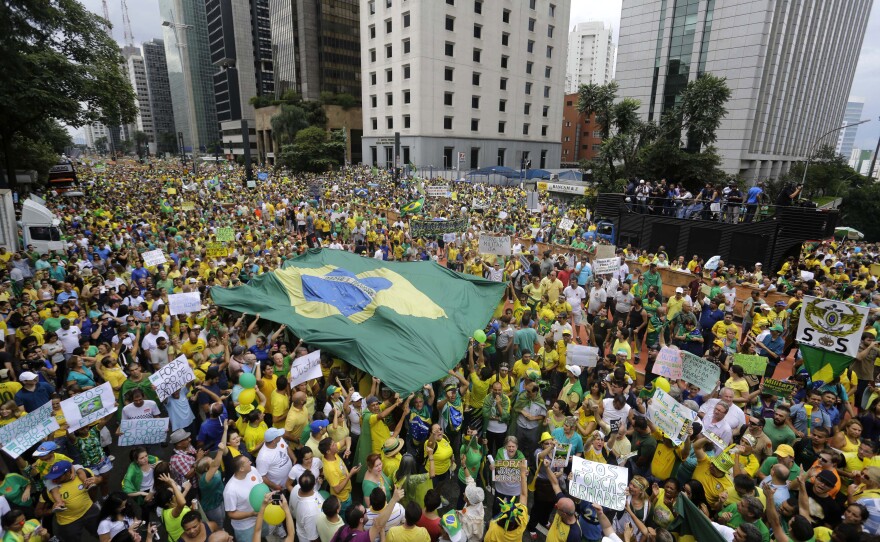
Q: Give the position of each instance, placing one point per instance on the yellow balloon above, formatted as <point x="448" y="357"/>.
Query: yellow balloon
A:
<point x="274" y="514"/>
<point x="247" y="396"/>
<point x="662" y="383"/>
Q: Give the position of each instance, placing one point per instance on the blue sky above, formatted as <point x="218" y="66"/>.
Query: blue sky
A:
<point x="146" y="25"/>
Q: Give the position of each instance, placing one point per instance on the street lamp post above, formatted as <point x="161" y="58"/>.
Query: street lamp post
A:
<point x="187" y="83"/>
<point x="874" y="159"/>
<point x="821" y="137"/>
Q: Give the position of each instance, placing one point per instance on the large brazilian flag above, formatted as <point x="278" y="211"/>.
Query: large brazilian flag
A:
<point x="406" y="323"/>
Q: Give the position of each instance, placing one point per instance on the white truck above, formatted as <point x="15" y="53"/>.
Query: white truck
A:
<point x="39" y="226"/>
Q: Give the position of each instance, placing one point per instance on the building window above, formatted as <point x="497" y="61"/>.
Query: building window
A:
<point x="549" y="51"/>
<point x="372" y="78"/>
<point x="597" y="147"/>
<point x="375" y="154"/>
<point x="505" y="16"/>
<point x="389" y="99"/>
<point x="450" y="49"/>
<point x="450" y="23"/>
<point x="569" y="103"/>
<point x="528" y="88"/>
<point x="390" y="122"/>
<point x="546" y="111"/>
<point x="477" y="53"/>
<point x="478" y="6"/>
<point x="388" y="50"/>
<point x="597" y="133"/>
<point x="375" y="122"/>
<point x="527" y="108"/>
<point x="553" y="10"/>
<point x="447" y="157"/>
<point x="447" y="73"/>
<point x="501" y="153"/>
<point x="406" y="20"/>
<point x="406" y="71"/>
<point x="450" y="2"/>
<point x="504" y="60"/>
<point x="475" y="157"/>
<point x="475" y="125"/>
<point x="550" y="31"/>
<point x="406" y="121"/>
<point x="530" y="46"/>
<point x="389" y="75"/>
<point x="546" y="92"/>
<point x="374" y="101"/>
<point x="372" y="55"/>
<point x="475" y="79"/>
<point x="371" y="6"/>
<point x="372" y="31"/>
<point x="529" y="65"/>
<point x="406" y="155"/>
<point x="503" y="83"/>
<point x="475" y="102"/>
<point x="526" y="129"/>
<point x="544" y="131"/>
<point x="406" y="46"/>
<point x="406" y="96"/>
<point x="543" y="159"/>
<point x="501" y="125"/>
<point x="505" y="39"/>
<point x="531" y="25"/>
<point x="387" y="26"/>
<point x="532" y="4"/>
<point x="447" y="123"/>
<point x="447" y="98"/>
<point x="547" y="70"/>
<point x="478" y="31"/>
<point x="502" y="105"/>
<point x="388" y="4"/>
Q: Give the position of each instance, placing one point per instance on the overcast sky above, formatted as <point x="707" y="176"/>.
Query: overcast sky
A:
<point x="146" y="25"/>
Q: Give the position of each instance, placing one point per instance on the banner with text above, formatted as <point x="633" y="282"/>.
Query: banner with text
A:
<point x="582" y="356"/>
<point x="437" y="191"/>
<point x="305" y="368"/>
<point x="508" y="470"/>
<point x="88" y="406"/>
<point x="751" y="364"/>
<point x="172" y="377"/>
<point x="143" y="431"/>
<point x="831" y="325"/>
<point x="668" y="363"/>
<point x="184" y="303"/>
<point x="598" y="483"/>
<point x="670" y="416"/>
<point x="19" y="435"/>
<point x="492" y="244"/>
<point x="425" y="228"/>
<point x="606" y="266"/>
<point x="225" y="235"/>
<point x="777" y="387"/>
<point x="216" y="250"/>
<point x="699" y="371"/>
<point x="566" y="224"/>
<point x="153" y="258"/>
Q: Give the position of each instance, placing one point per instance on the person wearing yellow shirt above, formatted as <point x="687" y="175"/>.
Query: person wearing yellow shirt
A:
<point x="719" y="330"/>
<point x="713" y="473"/>
<point x="761" y="317"/>
<point x="297" y="418"/>
<point x="521" y="366"/>
<point x="338" y="476"/>
<point x="193" y="345"/>
<point x="279" y="402"/>
<point x="668" y="456"/>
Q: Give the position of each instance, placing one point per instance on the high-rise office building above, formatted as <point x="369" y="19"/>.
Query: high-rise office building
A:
<point x="466" y="83"/>
<point x="852" y="115"/>
<point x="789" y="65"/>
<point x="316" y="47"/>
<point x="590" y="55"/>
<point x="190" y="72"/>
<point x="159" y="91"/>
<point x="137" y="75"/>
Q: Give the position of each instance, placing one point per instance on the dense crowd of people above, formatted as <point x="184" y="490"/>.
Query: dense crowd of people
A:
<point x="343" y="458"/>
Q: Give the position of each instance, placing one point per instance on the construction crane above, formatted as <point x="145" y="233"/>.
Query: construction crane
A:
<point x="126" y="25"/>
<point x="107" y="17"/>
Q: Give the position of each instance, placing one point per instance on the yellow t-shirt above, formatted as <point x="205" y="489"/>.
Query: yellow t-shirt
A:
<point x="379" y="432"/>
<point x="400" y="533"/>
<point x="189" y="348"/>
<point x="267" y="385"/>
<point x="740" y="387"/>
<point x="665" y="458"/>
<point x="278" y="405"/>
<point x="114" y="376"/>
<point x="497" y="533"/>
<point x="442" y="456"/>
<point x="296" y="421"/>
<point x="713" y="486"/>
<point x="519" y="368"/>
<point x="8" y="391"/>
<point x="335" y="472"/>
<point x="253" y="436"/>
<point x="478" y="391"/>
<point x="76" y="499"/>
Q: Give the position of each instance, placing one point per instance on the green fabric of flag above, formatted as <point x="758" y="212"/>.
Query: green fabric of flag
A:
<point x="690" y="521"/>
<point x="375" y="171"/>
<point x="823" y="364"/>
<point x="406" y="323"/>
<point x="413" y="207"/>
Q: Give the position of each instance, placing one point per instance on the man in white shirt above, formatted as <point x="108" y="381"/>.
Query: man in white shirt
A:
<point x="236" y="498"/>
<point x="735" y="417"/>
<point x="377" y="504"/>
<point x="598" y="297"/>
<point x="275" y="459"/>
<point x="305" y="507"/>
<point x="715" y="423"/>
<point x="148" y="343"/>
<point x="575" y="296"/>
<point x="69" y="336"/>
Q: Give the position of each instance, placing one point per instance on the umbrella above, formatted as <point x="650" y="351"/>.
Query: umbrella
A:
<point x="712" y="263"/>
<point x="849" y="233"/>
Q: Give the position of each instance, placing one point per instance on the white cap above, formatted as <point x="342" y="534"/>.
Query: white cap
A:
<point x="758" y="264"/>
<point x="355" y="396"/>
<point x="765" y="307"/>
<point x="679" y="290"/>
<point x="573" y="369"/>
<point x="26" y="376"/>
<point x="641" y="181"/>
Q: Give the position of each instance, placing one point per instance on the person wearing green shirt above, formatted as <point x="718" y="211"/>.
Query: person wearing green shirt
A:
<point x="16" y="489"/>
<point x="652" y="278"/>
<point x="471" y="457"/>
<point x="749" y="510"/>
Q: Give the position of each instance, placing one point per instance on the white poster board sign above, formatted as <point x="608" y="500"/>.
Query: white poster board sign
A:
<point x="670" y="416"/>
<point x="184" y="303"/>
<point x="305" y="368"/>
<point x="449" y="237"/>
<point x="699" y="371"/>
<point x="437" y="191"/>
<point x="153" y="258"/>
<point x="598" y="483"/>
<point x="566" y="224"/>
<point x="88" y="406"/>
<point x="668" y="363"/>
<point x="606" y="266"/>
<point x="18" y="436"/>
<point x="831" y="325"/>
<point x="172" y="377"/>
<point x="143" y="431"/>
<point x="495" y="244"/>
<point x="582" y="356"/>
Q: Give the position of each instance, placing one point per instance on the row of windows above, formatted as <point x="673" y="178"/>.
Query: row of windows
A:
<point x="447" y="125"/>
<point x="450" y="20"/>
<point x="478" y="8"/>
<point x="475" y="104"/>
<point x="449" y="73"/>
<point x="449" y="50"/>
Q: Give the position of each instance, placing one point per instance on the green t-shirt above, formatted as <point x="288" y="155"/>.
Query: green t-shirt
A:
<point x="51" y="325"/>
<point x="768" y="463"/>
<point x="779" y="435"/>
<point x="173" y="525"/>
<point x="736" y="520"/>
<point x="13" y="486"/>
<point x="473" y="458"/>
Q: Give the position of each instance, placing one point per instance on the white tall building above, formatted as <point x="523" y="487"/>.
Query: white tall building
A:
<point x="789" y="65"/>
<point x="852" y="115"/>
<point x="94" y="132"/>
<point x="137" y="75"/>
<point x="466" y="83"/>
<point x="590" y="55"/>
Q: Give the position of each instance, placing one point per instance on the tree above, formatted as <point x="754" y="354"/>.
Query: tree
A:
<point x="701" y="110"/>
<point x="41" y="152"/>
<point x="101" y="144"/>
<point x="142" y="142"/>
<point x="58" y="63"/>
<point x="287" y="123"/>
<point x="827" y="174"/>
<point x="314" y="151"/>
<point x="166" y="142"/>
<point x="859" y="209"/>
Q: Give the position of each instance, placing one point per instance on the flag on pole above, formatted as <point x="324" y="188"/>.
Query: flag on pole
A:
<point x="413" y="207"/>
<point x="822" y="364"/>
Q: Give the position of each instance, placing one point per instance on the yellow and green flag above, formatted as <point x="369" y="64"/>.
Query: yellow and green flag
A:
<point x="406" y="323"/>
<point x="822" y="364"/>
<point x="413" y="207"/>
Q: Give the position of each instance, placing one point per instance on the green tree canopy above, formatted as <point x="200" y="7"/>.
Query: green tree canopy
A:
<point x="314" y="150"/>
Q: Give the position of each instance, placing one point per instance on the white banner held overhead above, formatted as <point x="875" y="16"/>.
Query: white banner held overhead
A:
<point x="670" y="416"/>
<point x="172" y="377"/>
<point x="831" y="325"/>
<point x="305" y="368"/>
<point x="566" y="224"/>
<point x="582" y="356"/>
<point x="598" y="483"/>
<point x="437" y="191"/>
<point x="495" y="244"/>
<point x="184" y="303"/>
<point x="88" y="406"/>
<point x="143" y="431"/>
<point x="606" y="266"/>
<point x="18" y="436"/>
<point x="153" y="258"/>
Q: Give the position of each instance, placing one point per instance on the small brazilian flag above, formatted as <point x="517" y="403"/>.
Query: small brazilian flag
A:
<point x="413" y="207"/>
<point x="452" y="525"/>
<point x="406" y="323"/>
<point x="823" y="365"/>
